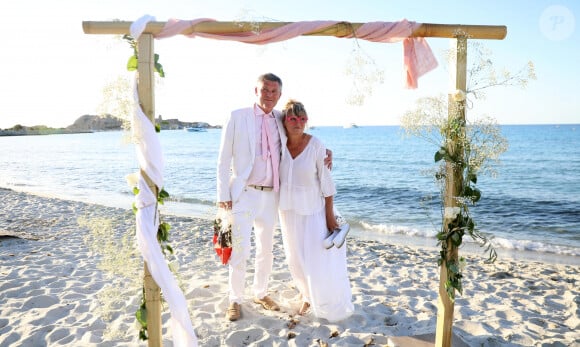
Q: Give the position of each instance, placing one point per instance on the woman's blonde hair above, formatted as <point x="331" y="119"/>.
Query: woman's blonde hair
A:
<point x="295" y="107"/>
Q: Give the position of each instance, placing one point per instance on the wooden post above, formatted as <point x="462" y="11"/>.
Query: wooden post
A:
<point x="453" y="183"/>
<point x="145" y="88"/>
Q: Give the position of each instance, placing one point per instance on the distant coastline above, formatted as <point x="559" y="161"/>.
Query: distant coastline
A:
<point x="37" y="130"/>
<point x="94" y="123"/>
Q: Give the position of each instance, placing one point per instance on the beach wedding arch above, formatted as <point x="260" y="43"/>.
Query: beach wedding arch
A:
<point x="417" y="60"/>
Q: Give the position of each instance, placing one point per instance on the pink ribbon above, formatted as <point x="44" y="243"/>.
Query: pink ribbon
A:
<point x="265" y="133"/>
<point x="418" y="59"/>
<point x="267" y="145"/>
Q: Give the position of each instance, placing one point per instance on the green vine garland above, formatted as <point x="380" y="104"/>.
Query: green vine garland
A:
<point x="163" y="228"/>
<point x="458" y="219"/>
<point x="464" y="151"/>
<point x="133" y="62"/>
<point x="163" y="239"/>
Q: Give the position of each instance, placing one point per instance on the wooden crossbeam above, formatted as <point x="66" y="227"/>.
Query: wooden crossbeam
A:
<point x="342" y="29"/>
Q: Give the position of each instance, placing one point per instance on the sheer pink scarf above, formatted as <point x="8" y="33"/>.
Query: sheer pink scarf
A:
<point x="418" y="59"/>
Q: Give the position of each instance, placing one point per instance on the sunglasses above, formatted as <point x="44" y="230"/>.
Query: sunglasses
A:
<point x="296" y="119"/>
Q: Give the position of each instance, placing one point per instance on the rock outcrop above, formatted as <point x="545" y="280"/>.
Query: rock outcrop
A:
<point x="95" y="123"/>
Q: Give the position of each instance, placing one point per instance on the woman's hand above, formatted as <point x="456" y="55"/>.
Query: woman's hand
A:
<point x="331" y="222"/>
<point x="328" y="159"/>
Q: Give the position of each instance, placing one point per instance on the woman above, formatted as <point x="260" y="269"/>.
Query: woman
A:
<point x="307" y="218"/>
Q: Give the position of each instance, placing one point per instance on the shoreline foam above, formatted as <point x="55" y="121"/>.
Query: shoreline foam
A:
<point x="515" y="249"/>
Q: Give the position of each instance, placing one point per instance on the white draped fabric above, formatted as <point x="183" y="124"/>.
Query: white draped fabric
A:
<point x="151" y="163"/>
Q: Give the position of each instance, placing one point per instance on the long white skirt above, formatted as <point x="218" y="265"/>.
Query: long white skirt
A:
<point x="320" y="274"/>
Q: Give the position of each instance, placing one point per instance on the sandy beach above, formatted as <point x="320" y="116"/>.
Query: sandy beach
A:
<point x="69" y="277"/>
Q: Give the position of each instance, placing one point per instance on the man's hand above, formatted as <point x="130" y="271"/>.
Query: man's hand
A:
<point x="226" y="205"/>
<point x="328" y="159"/>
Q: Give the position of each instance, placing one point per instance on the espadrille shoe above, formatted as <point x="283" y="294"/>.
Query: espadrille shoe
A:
<point x="234" y="312"/>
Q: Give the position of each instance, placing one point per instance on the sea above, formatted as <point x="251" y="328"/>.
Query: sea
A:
<point x="530" y="208"/>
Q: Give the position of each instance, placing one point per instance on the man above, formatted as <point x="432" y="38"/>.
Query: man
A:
<point x="247" y="183"/>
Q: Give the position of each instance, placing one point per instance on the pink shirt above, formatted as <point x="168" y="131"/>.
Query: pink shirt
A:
<point x="261" y="174"/>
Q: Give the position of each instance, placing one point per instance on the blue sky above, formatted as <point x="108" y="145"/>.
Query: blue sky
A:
<point x="53" y="73"/>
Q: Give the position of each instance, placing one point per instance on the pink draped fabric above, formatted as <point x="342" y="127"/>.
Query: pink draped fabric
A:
<point x="418" y="59"/>
<point x="385" y="31"/>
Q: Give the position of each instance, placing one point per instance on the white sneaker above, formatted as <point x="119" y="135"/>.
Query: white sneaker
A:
<point x="327" y="243"/>
<point x="338" y="236"/>
<point x="339" y="218"/>
<point x="341" y="233"/>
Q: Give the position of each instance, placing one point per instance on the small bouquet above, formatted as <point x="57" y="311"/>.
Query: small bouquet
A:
<point x="222" y="235"/>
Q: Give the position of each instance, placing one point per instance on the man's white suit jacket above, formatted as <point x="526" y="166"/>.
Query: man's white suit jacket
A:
<point x="238" y="152"/>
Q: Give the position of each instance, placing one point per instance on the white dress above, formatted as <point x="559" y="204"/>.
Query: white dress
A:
<point x="320" y="274"/>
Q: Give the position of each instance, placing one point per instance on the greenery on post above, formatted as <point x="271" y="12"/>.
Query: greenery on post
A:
<point x="163" y="228"/>
<point x="133" y="61"/>
<point x="470" y="147"/>
<point x="163" y="239"/>
<point x="118" y="99"/>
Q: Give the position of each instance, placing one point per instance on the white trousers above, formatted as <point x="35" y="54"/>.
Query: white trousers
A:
<point x="257" y="209"/>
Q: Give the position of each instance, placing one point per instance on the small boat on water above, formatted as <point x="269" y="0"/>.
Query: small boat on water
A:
<point x="195" y="129"/>
<point x="349" y="126"/>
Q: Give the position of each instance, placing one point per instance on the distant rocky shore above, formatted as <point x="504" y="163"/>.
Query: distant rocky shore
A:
<point x="92" y="123"/>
